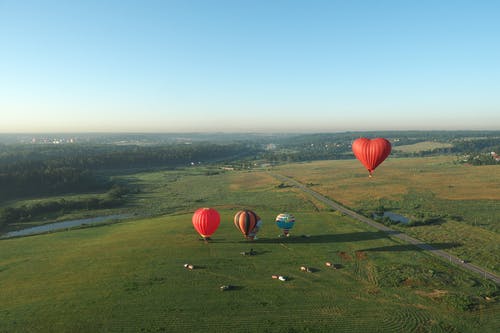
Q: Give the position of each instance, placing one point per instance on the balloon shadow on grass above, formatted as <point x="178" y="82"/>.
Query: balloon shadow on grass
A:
<point x="332" y="238"/>
<point x="213" y="240"/>
<point x="413" y="247"/>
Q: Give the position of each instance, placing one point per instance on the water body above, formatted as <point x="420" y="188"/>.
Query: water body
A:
<point x="394" y="217"/>
<point x="63" y="225"/>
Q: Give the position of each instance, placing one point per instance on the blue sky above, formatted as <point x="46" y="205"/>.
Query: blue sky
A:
<point x="253" y="66"/>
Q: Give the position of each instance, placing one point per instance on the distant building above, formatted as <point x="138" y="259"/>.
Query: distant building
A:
<point x="271" y="146"/>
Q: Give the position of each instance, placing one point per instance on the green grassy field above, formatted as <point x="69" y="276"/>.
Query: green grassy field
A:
<point x="129" y="276"/>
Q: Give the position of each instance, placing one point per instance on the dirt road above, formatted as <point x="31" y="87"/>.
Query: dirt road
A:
<point x="391" y="232"/>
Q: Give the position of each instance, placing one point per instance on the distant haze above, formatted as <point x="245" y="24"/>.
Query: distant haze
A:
<point x="248" y="66"/>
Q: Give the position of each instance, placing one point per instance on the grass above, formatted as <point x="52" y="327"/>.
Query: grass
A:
<point x="464" y="198"/>
<point x="129" y="276"/>
<point x="422" y="146"/>
<point x="179" y="191"/>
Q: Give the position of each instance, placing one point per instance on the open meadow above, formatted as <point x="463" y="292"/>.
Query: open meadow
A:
<point x="130" y="276"/>
<point x="422" y="146"/>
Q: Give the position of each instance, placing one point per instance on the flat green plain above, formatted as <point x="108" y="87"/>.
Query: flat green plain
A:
<point x="130" y="276"/>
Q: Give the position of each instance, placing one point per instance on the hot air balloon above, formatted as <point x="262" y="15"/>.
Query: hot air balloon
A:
<point x="285" y="221"/>
<point x="248" y="223"/>
<point x="206" y="221"/>
<point x="371" y="152"/>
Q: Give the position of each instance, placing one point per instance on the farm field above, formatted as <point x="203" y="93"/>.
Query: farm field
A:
<point x="422" y="146"/>
<point x="129" y="276"/>
<point x="463" y="198"/>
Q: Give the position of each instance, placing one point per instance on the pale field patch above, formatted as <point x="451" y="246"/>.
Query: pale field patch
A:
<point x="422" y="146"/>
<point x="250" y="181"/>
<point x="348" y="182"/>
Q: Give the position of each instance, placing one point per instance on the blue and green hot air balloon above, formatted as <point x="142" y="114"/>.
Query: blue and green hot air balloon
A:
<point x="285" y="221"/>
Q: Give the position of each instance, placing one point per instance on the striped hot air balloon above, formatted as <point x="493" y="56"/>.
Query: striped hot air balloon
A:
<point x="286" y="222"/>
<point x="248" y="223"/>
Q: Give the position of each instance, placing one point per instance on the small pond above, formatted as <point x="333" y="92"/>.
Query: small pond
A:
<point x="394" y="217"/>
<point x="63" y="225"/>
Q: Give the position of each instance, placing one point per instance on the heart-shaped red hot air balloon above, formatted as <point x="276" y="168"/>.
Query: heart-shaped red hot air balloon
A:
<point x="206" y="221"/>
<point x="371" y="152"/>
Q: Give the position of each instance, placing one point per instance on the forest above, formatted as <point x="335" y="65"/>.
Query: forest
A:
<point x="28" y="170"/>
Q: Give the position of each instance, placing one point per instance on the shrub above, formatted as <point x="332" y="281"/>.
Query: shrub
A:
<point x="461" y="301"/>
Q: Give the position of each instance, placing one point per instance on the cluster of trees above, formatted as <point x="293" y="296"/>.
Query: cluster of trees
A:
<point x="41" y="178"/>
<point x="425" y="218"/>
<point x="113" y="198"/>
<point x="477" y="145"/>
<point x="478" y="152"/>
<point x="479" y="159"/>
<point x="99" y="157"/>
<point x="303" y="155"/>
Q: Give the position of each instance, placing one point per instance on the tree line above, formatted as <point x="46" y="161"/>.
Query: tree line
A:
<point x="327" y="146"/>
<point x="28" y="170"/>
<point x="25" y="213"/>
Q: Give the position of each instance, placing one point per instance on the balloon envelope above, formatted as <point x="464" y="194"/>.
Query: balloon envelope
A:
<point x="246" y="220"/>
<point x="371" y="152"/>
<point x="285" y="221"/>
<point x="206" y="221"/>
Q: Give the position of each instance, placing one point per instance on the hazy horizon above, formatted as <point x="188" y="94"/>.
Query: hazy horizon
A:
<point x="248" y="67"/>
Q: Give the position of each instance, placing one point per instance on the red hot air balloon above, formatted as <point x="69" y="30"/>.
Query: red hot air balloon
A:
<point x="206" y="221"/>
<point x="248" y="223"/>
<point x="371" y="152"/>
